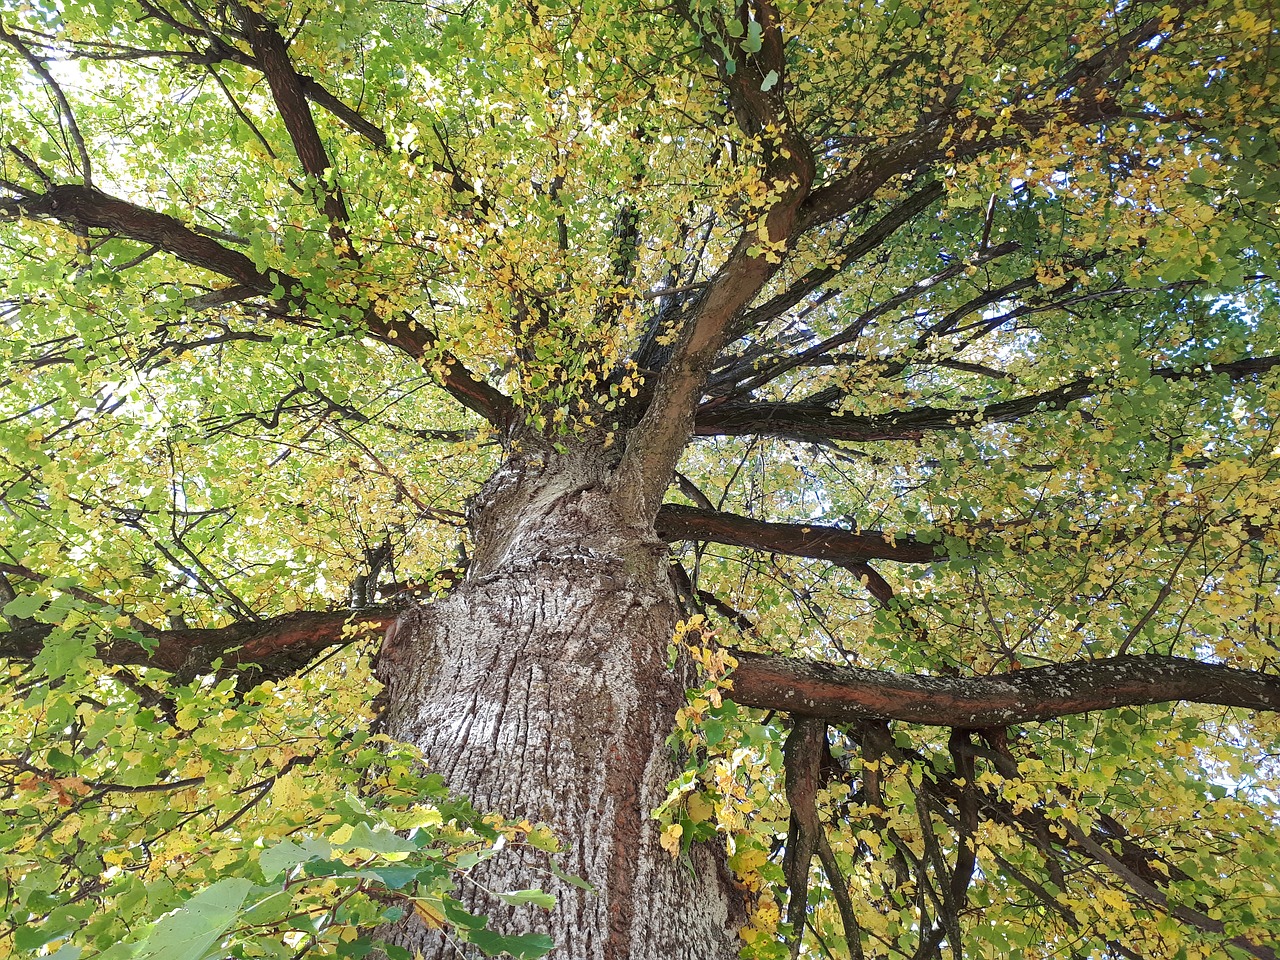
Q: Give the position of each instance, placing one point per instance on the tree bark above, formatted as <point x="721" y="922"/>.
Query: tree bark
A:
<point x="541" y="689"/>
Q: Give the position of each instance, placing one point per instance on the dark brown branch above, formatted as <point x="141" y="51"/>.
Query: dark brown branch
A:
<point x="847" y="255"/>
<point x="966" y="850"/>
<point x="842" y="693"/>
<point x="259" y="649"/>
<point x="87" y="207"/>
<point x="762" y="373"/>
<point x="1078" y="98"/>
<point x="280" y="646"/>
<point x="1145" y="872"/>
<point x="803" y="755"/>
<point x="819" y="541"/>
<point x="819" y="423"/>
<point x="1149" y="892"/>
<point x="802" y="761"/>
<point x="64" y="105"/>
<point x="287" y="90"/>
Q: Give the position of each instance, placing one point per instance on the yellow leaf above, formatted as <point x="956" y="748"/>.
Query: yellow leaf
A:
<point x="429" y="912"/>
<point x="670" y="839"/>
<point x="700" y="810"/>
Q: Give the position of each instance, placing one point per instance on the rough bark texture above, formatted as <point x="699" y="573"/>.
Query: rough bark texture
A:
<point x="541" y="689"/>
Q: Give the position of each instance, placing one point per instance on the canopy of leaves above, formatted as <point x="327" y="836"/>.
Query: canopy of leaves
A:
<point x="971" y="309"/>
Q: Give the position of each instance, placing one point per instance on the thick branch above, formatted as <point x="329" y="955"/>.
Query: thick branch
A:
<point x="287" y="90"/>
<point x="87" y="207"/>
<point x="677" y="522"/>
<point x="260" y="649"/>
<point x="280" y="646"/>
<point x="841" y="693"/>
<point x="755" y="90"/>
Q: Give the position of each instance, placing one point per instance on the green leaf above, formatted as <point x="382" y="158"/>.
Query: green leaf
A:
<point x="60" y="760"/>
<point x="269" y="908"/>
<point x="713" y="730"/>
<point x="526" y="946"/>
<point x="755" y="37"/>
<point x="285" y="855"/>
<point x="397" y="877"/>
<point x="571" y="879"/>
<point x="31" y="937"/>
<point x="192" y="931"/>
<point x="537" y="897"/>
<point x="462" y="918"/>
<point x="24" y="606"/>
<point x="376" y="841"/>
<point x="770" y="81"/>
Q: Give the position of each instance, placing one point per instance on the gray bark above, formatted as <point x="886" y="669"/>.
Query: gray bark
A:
<point x="541" y="689"/>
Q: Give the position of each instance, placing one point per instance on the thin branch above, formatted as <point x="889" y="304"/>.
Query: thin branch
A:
<point x="1154" y="895"/>
<point x="73" y="128"/>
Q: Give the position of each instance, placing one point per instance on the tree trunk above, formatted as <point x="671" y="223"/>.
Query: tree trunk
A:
<point x="540" y="688"/>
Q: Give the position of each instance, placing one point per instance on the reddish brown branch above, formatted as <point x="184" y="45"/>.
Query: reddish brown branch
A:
<point x="841" y="693"/>
<point x="81" y="206"/>
<point x="280" y="646"/>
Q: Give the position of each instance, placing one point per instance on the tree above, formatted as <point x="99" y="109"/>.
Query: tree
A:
<point x="814" y="466"/>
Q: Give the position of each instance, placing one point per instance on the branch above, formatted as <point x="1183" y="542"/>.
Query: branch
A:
<point x="757" y="373"/>
<point x="64" y="105"/>
<point x="1077" y="98"/>
<point x="1144" y="871"/>
<point x="819" y="423"/>
<point x="89" y="207"/>
<point x="287" y="90"/>
<point x="821" y="542"/>
<point x="755" y="91"/>
<point x="842" y="693"/>
<point x="1154" y="895"/>
<point x="868" y="241"/>
<point x="259" y="649"/>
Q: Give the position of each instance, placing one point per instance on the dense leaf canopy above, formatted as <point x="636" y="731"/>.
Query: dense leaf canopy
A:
<point x="969" y="309"/>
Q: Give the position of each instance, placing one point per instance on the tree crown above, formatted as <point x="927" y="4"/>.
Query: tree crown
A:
<point x="953" y="324"/>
